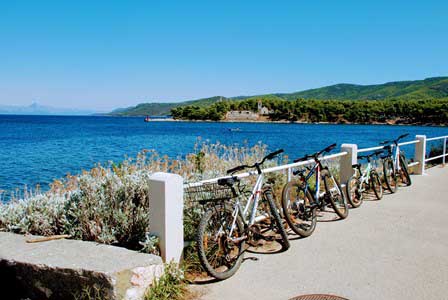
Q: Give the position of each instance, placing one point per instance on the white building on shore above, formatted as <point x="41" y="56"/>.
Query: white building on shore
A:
<point x="247" y="115"/>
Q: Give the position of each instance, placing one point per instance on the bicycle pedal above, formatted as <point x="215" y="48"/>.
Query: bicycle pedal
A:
<point x="256" y="243"/>
<point x="253" y="258"/>
<point x="269" y="238"/>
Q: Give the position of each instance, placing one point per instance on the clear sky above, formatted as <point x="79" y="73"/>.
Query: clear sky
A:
<point x="107" y="54"/>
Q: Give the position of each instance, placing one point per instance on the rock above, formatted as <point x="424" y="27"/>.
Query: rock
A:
<point x="70" y="269"/>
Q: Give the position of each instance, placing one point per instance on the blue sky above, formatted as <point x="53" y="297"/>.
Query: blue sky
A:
<point x="107" y="54"/>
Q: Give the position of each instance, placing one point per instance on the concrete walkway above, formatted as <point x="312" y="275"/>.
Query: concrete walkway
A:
<point x="396" y="248"/>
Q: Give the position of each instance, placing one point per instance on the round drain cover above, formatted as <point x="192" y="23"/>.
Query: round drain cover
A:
<point x="318" y="297"/>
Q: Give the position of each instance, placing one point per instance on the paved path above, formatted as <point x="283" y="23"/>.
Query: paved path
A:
<point x="396" y="248"/>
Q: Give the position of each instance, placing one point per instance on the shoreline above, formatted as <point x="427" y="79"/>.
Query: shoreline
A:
<point x="241" y="121"/>
<point x="291" y="122"/>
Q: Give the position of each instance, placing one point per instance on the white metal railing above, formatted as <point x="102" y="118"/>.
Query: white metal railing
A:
<point x="412" y="164"/>
<point x="444" y="154"/>
<point x="381" y="147"/>
<point x="166" y="190"/>
<point x="286" y="167"/>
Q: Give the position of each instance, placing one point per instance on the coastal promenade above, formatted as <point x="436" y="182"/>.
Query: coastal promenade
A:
<point x="395" y="248"/>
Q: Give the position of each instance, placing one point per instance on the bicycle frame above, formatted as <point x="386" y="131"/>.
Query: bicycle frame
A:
<point x="243" y="212"/>
<point x="316" y="170"/>
<point x="395" y="156"/>
<point x="365" y="175"/>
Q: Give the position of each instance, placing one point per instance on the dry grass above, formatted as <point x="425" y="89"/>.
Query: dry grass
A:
<point x="110" y="203"/>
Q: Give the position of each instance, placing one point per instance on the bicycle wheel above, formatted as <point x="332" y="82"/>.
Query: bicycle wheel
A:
<point x="218" y="254"/>
<point x="297" y="209"/>
<point x="404" y="172"/>
<point x="390" y="177"/>
<point x="336" y="196"/>
<point x="354" y="195"/>
<point x="375" y="184"/>
<point x="276" y="216"/>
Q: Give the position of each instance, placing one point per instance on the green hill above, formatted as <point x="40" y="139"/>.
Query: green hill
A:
<point x="436" y="87"/>
<point x="158" y="109"/>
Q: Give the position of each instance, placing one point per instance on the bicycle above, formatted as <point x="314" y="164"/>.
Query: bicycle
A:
<point x="395" y="165"/>
<point x="300" y="202"/>
<point x="363" y="180"/>
<point x="226" y="225"/>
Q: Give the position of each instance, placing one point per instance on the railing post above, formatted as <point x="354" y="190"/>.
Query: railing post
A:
<point x="166" y="213"/>
<point x="444" y="151"/>
<point x="347" y="162"/>
<point x="420" y="153"/>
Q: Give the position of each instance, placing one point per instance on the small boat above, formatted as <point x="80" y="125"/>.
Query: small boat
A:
<point x="235" y="129"/>
<point x="147" y="119"/>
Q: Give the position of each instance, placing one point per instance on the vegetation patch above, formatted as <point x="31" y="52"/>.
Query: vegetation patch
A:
<point x="110" y="204"/>
<point x="170" y="286"/>
<point x="388" y="111"/>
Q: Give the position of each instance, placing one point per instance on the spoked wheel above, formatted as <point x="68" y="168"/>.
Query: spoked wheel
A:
<point x="404" y="171"/>
<point x="336" y="196"/>
<point x="219" y="253"/>
<point x="390" y="176"/>
<point x="297" y="209"/>
<point x="375" y="184"/>
<point x="354" y="193"/>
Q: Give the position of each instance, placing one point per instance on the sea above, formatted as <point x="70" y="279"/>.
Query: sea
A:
<point x="38" y="149"/>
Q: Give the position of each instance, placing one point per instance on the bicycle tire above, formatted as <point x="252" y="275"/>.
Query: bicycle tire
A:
<point x="376" y="185"/>
<point x="354" y="197"/>
<point x="278" y="221"/>
<point x="297" y="215"/>
<point x="405" y="170"/>
<point x="390" y="177"/>
<point x="202" y="242"/>
<point x="341" y="209"/>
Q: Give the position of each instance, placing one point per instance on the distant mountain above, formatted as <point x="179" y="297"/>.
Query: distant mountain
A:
<point x="37" y="109"/>
<point x="436" y="87"/>
<point x="158" y="109"/>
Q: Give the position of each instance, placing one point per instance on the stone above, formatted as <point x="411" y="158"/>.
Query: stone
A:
<point x="69" y="269"/>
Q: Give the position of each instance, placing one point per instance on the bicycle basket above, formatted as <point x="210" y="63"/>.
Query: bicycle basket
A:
<point x="208" y="192"/>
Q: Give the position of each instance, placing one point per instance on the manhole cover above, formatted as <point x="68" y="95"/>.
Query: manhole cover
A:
<point x="318" y="297"/>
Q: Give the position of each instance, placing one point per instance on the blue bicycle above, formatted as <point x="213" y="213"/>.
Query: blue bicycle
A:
<point x="300" y="201"/>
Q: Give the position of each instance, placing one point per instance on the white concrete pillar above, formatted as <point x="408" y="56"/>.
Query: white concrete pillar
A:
<point x="347" y="161"/>
<point x="419" y="154"/>
<point x="166" y="203"/>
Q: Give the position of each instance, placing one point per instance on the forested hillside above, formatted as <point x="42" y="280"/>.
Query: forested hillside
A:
<point x="410" y="111"/>
<point x="414" y="91"/>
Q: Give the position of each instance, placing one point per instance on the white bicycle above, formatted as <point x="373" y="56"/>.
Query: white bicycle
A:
<point x="364" y="180"/>
<point x="226" y="225"/>
<point x="395" y="165"/>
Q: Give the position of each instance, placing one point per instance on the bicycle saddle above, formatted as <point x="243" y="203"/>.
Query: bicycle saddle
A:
<point x="228" y="181"/>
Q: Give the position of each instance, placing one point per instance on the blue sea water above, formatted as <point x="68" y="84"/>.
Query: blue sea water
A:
<point x="37" y="149"/>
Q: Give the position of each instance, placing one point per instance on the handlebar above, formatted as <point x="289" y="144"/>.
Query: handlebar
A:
<point x="305" y="158"/>
<point x="386" y="142"/>
<point x="236" y="169"/>
<point x="273" y="154"/>
<point x="315" y="155"/>
<point x="328" y="149"/>
<point x="257" y="164"/>
<point x="402" y="136"/>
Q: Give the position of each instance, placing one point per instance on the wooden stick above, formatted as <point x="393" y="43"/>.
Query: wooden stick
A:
<point x="48" y="238"/>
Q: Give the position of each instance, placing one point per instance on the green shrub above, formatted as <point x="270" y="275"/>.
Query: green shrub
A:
<point x="170" y="286"/>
